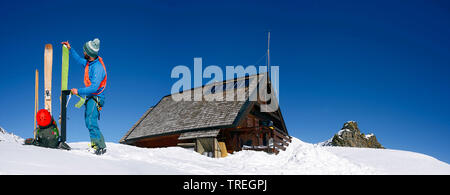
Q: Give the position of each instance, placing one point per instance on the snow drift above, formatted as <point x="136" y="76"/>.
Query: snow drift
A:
<point x="299" y="158"/>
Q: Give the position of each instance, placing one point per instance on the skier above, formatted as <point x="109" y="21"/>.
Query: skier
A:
<point x="95" y="82"/>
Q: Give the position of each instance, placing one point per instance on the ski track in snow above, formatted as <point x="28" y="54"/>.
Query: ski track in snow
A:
<point x="299" y="158"/>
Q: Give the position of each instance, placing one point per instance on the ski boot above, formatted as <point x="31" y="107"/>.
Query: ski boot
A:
<point x="96" y="150"/>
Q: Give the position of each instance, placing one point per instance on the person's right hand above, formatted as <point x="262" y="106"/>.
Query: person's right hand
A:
<point x="67" y="44"/>
<point x="74" y="91"/>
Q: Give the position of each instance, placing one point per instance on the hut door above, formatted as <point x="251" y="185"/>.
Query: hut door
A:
<point x="208" y="146"/>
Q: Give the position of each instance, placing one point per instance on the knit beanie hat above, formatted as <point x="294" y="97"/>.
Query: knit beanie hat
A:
<point x="91" y="47"/>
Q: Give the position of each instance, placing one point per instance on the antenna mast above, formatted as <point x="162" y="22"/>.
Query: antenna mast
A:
<point x="268" y="57"/>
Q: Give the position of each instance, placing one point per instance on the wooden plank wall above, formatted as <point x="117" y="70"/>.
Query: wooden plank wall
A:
<point x="250" y="133"/>
<point x="161" y="141"/>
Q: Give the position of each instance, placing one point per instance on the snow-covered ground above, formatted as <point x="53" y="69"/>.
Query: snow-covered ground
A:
<point x="299" y="158"/>
<point x="387" y="161"/>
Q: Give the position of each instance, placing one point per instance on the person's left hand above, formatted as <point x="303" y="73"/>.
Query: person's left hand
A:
<point x="74" y="91"/>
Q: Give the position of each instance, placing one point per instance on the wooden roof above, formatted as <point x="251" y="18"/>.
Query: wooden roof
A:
<point x="170" y="116"/>
<point x="199" y="134"/>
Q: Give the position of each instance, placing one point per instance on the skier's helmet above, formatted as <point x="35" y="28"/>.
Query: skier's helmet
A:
<point x="43" y="118"/>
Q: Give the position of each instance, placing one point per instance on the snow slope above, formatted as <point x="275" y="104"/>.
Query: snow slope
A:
<point x="388" y="161"/>
<point x="299" y="158"/>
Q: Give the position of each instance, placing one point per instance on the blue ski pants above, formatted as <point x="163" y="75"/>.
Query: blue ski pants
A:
<point x="91" y="115"/>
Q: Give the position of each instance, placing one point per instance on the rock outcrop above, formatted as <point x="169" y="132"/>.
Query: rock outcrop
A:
<point x="351" y="136"/>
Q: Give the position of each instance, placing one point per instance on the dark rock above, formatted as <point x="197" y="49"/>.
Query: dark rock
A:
<point x="351" y="136"/>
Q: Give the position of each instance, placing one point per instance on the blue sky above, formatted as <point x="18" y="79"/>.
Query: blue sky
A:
<point x="384" y="64"/>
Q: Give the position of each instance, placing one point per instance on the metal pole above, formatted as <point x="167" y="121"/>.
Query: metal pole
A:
<point x="269" y="90"/>
<point x="268" y="55"/>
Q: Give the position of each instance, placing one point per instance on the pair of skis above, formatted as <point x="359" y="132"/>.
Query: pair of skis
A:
<point x="48" y="63"/>
<point x="65" y="76"/>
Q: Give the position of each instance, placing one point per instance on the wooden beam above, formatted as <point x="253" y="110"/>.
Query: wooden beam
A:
<point x="276" y="151"/>
<point x="281" y="133"/>
<point x="280" y="147"/>
<point x="284" y="143"/>
<point x="273" y="115"/>
<point x="265" y="117"/>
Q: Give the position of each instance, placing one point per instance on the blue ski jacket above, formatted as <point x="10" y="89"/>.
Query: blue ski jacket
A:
<point x="96" y="75"/>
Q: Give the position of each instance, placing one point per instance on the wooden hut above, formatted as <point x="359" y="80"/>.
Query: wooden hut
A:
<point x="214" y="128"/>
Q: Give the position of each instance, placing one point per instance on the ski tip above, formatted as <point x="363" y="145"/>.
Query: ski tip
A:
<point x="48" y="46"/>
